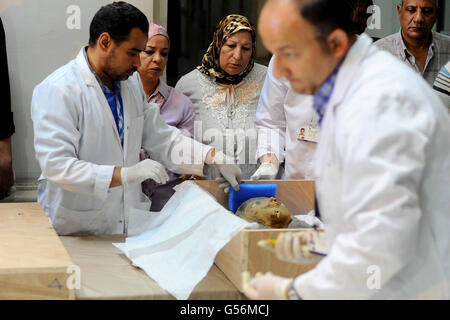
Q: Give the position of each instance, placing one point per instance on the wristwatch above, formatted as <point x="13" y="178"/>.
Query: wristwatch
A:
<point x="292" y="293"/>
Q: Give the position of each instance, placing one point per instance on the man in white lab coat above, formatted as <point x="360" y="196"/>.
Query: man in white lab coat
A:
<point x="382" y="162"/>
<point x="287" y="124"/>
<point x="90" y="123"/>
<point x="280" y="117"/>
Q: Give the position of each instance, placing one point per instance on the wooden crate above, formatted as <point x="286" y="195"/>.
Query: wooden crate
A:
<point x="33" y="261"/>
<point x="242" y="253"/>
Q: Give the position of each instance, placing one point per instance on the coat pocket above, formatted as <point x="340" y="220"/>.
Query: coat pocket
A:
<point x="79" y="223"/>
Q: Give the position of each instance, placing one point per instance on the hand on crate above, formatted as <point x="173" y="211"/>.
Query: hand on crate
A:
<point x="266" y="286"/>
<point x="294" y="248"/>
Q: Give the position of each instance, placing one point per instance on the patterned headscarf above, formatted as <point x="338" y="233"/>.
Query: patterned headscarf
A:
<point x="155" y="28"/>
<point x="211" y="60"/>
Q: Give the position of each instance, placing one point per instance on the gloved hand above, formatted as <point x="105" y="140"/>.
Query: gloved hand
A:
<point x="230" y="172"/>
<point x="293" y="248"/>
<point x="231" y="175"/>
<point x="266" y="171"/>
<point x="146" y="169"/>
<point x="265" y="287"/>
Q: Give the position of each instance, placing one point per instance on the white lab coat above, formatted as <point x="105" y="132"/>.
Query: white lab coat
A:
<point x="77" y="146"/>
<point x="382" y="177"/>
<point x="280" y="115"/>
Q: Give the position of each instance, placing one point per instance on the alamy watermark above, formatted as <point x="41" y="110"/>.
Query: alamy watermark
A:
<point x="374" y="21"/>
<point x="73" y="21"/>
<point x="374" y="280"/>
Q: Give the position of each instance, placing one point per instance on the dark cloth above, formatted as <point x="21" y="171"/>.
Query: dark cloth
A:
<point x="159" y="194"/>
<point x="316" y="207"/>
<point x="7" y="128"/>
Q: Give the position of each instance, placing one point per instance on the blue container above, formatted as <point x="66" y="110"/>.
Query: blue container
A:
<point x="249" y="191"/>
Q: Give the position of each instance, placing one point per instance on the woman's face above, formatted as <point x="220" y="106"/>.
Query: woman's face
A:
<point x="236" y="53"/>
<point x="154" y="57"/>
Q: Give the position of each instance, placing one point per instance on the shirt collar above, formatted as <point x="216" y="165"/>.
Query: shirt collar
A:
<point x="162" y="89"/>
<point x="105" y="88"/>
<point x="322" y="97"/>
<point x="405" y="52"/>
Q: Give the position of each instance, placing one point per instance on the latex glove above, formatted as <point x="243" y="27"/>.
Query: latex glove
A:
<point x="265" y="286"/>
<point x="230" y="172"/>
<point x="289" y="248"/>
<point x="266" y="171"/>
<point x="146" y="169"/>
<point x="223" y="184"/>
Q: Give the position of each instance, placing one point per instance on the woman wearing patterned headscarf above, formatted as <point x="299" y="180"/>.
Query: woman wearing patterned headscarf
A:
<point x="175" y="108"/>
<point x="225" y="91"/>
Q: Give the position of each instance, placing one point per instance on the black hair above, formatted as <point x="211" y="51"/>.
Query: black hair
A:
<point x="355" y="3"/>
<point x="117" y="19"/>
<point x="329" y="15"/>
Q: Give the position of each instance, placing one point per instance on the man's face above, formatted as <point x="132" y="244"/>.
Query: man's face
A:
<point x="299" y="57"/>
<point x="417" y="18"/>
<point x="124" y="59"/>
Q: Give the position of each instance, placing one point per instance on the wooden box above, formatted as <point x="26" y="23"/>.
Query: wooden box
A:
<point x="242" y="253"/>
<point x="33" y="262"/>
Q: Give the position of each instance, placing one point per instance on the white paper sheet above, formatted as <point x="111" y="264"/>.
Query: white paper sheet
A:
<point x="180" y="243"/>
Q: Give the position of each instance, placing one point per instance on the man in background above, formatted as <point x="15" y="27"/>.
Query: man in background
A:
<point x="416" y="44"/>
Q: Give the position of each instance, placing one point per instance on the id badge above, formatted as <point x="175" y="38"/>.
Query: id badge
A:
<point x="309" y="134"/>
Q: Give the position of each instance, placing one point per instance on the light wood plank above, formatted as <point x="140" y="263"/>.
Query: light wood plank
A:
<point x="106" y="273"/>
<point x="31" y="255"/>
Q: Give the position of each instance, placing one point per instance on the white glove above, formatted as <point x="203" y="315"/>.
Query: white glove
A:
<point x="266" y="171"/>
<point x="146" y="169"/>
<point x="266" y="287"/>
<point x="230" y="173"/>
<point x="293" y="248"/>
<point x="224" y="184"/>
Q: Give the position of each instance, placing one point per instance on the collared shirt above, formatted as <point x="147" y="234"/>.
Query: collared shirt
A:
<point x="113" y="97"/>
<point x="157" y="97"/>
<point x="322" y="97"/>
<point x="320" y="101"/>
<point x="176" y="108"/>
<point x="438" y="53"/>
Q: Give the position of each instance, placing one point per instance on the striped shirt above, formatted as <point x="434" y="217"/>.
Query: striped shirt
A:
<point x="442" y="84"/>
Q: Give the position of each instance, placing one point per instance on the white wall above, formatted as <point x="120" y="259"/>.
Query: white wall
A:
<point x="38" y="42"/>
<point x="447" y="18"/>
<point x="389" y="19"/>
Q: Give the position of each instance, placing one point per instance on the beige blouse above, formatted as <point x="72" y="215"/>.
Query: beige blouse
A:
<point x="225" y="115"/>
